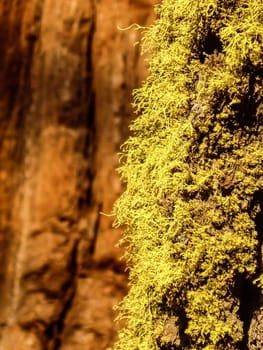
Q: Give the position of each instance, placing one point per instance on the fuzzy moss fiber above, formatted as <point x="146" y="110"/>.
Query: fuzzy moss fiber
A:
<point x="194" y="173"/>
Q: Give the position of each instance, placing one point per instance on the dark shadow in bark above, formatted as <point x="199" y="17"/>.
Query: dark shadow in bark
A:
<point x="210" y="45"/>
<point x="249" y="294"/>
<point x="54" y="331"/>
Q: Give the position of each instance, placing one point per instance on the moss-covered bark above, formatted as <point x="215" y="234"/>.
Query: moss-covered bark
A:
<point x="194" y="173"/>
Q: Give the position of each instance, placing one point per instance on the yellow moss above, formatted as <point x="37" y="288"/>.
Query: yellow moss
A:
<point x="193" y="167"/>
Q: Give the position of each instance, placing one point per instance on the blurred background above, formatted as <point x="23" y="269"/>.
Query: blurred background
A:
<point x="66" y="77"/>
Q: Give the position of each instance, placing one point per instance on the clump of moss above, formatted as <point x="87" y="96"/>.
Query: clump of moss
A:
<point x="194" y="173"/>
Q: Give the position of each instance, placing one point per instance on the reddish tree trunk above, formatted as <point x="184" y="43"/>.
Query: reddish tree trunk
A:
<point x="66" y="78"/>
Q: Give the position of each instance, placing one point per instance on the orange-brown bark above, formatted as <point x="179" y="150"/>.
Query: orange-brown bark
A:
<point x="66" y="78"/>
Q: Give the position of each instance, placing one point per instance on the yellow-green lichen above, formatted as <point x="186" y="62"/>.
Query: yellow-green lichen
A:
<point x="194" y="171"/>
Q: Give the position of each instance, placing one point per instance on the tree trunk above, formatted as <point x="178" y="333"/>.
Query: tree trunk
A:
<point x="66" y="78"/>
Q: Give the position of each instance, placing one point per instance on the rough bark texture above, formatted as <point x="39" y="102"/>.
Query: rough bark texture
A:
<point x="66" y="78"/>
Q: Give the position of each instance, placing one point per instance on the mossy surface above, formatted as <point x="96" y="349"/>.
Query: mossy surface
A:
<point x="194" y="173"/>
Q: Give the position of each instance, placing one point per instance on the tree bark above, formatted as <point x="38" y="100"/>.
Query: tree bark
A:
<point x="66" y="78"/>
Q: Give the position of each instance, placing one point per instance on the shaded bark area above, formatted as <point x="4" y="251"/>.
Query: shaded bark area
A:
<point x="66" y="78"/>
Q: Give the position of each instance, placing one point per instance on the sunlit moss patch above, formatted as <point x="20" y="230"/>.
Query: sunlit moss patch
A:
<point x="193" y="167"/>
